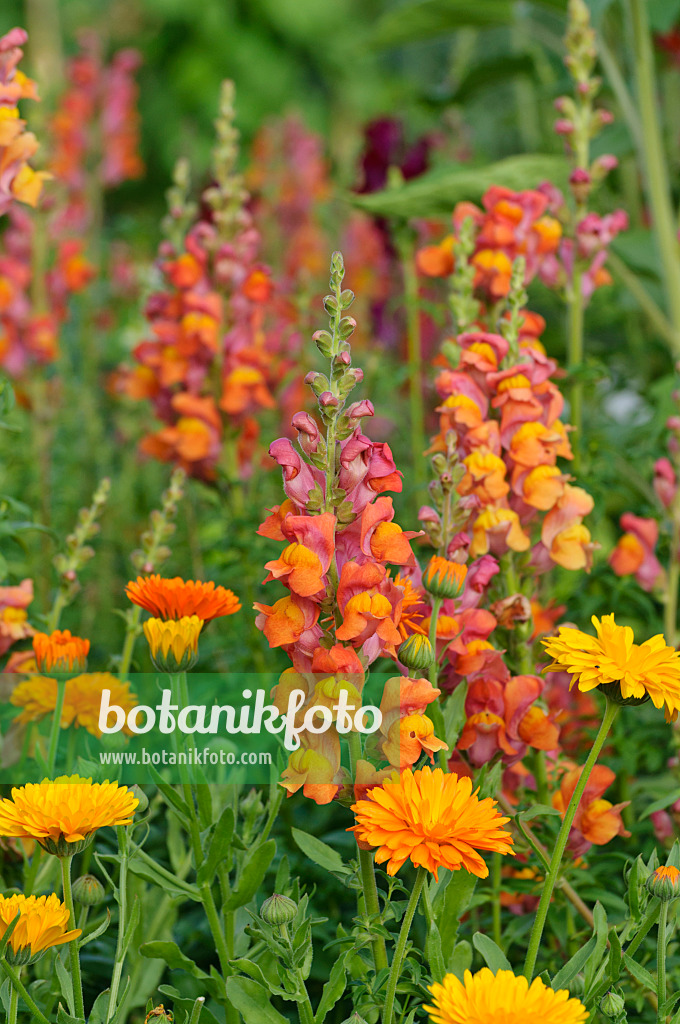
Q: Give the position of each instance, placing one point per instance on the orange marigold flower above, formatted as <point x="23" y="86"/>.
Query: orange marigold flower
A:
<point x="432" y="819"/>
<point x="59" y="651"/>
<point x="178" y="599"/>
<point x="483" y="997"/>
<point x="665" y="882"/>
<point x="63" y="815"/>
<point x="410" y="620"/>
<point x="42" y="925"/>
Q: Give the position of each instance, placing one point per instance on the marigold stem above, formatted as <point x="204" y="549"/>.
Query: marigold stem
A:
<point x="661" y="962"/>
<point x="56" y="726"/>
<point x="610" y="713"/>
<point x="398" y="956"/>
<point x="13" y="1006"/>
<point x="18" y="986"/>
<point x="124" y="852"/>
<point x="73" y="944"/>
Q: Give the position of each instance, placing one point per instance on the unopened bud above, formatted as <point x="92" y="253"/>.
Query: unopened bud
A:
<point x="665" y="882"/>
<point x="278" y="909"/>
<point x="416" y="653"/>
<point x="88" y="891"/>
<point x="612" y="1005"/>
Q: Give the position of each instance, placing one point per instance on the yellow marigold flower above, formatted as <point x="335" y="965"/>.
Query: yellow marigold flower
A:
<point x="83" y="696"/>
<point x="42" y="924"/>
<point x="63" y="815"/>
<point x="444" y="578"/>
<point x="38" y="697"/>
<point x="173" y="644"/>
<point x="625" y="671"/>
<point x="82" y="699"/>
<point x="433" y="819"/>
<point x="483" y="997"/>
<point x="59" y="651"/>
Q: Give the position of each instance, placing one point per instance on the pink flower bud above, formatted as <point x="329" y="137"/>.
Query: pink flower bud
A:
<point x="665" y="483"/>
<point x="564" y="127"/>
<point x="426" y="514"/>
<point x="308" y="432"/>
<point x="328" y="400"/>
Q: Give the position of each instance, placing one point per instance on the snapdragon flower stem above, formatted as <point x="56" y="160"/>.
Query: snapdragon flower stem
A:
<point x="73" y="945"/>
<point x="574" y="360"/>
<point x="415" y="362"/>
<point x="400" y="948"/>
<point x="610" y="713"/>
<point x="19" y="987"/>
<point x="434" y="710"/>
<point x="661" y="962"/>
<point x="367" y="868"/>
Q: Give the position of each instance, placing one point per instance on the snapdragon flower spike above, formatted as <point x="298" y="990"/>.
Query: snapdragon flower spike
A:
<point x="18" y="180"/>
<point x="344" y="607"/>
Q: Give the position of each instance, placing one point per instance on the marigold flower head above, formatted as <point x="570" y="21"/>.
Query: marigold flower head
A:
<point x="484" y="996"/>
<point x="38" y="697"/>
<point x="173" y="644"/>
<point x="42" y="924"/>
<point x="665" y="882"/>
<point x="178" y="599"/>
<point x="434" y="820"/>
<point x="63" y="815"/>
<point x="443" y="578"/>
<point x="82" y="699"/>
<point x="626" y="672"/>
<point x="59" y="651"/>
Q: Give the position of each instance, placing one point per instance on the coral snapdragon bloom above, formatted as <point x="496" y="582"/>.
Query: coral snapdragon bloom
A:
<point x="177" y="598"/>
<point x="484" y="996"/>
<point x="59" y="651"/>
<point x="63" y="815"/>
<point x="650" y="669"/>
<point x="42" y="924"/>
<point x="434" y="820"/>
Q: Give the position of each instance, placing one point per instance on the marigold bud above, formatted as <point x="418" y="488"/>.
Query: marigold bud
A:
<point x="88" y="890"/>
<point x="416" y="653"/>
<point x="443" y="578"/>
<point x="173" y="643"/>
<point x="278" y="909"/>
<point x="613" y="1005"/>
<point x="665" y="882"/>
<point x="143" y="799"/>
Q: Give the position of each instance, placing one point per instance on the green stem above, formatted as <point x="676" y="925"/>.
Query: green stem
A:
<point x="415" y="363"/>
<point x="73" y="945"/>
<point x="400" y="948"/>
<point x="56" y="726"/>
<point x="436" y="960"/>
<point x="540" y="775"/>
<point x="367" y="869"/>
<point x="196" y="1010"/>
<point x="661" y="962"/>
<point x="305" y="1011"/>
<point x="434" y="710"/>
<point x="13" y="1006"/>
<point x="131" y="634"/>
<point x="656" y="170"/>
<point x="575" y="358"/>
<point x="562" y="837"/>
<point x="119" y="961"/>
<point x="670" y="611"/>
<point x="496" y="901"/>
<point x="19" y="987"/>
<point x="55" y="612"/>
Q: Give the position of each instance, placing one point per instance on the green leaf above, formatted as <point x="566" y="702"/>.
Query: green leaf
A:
<point x="180" y="1002"/>
<point x="322" y="854"/>
<point x="454" y="714"/>
<point x="640" y="974"/>
<point x="253" y="1002"/>
<point x="450" y="901"/>
<point x="494" y="957"/>
<point x="436" y="193"/>
<point x="254" y="870"/>
<point x="661" y="803"/>
<point x="614" y="956"/>
<point x="65" y="1018"/>
<point x="175" y="888"/>
<point x="220" y="846"/>
<point x="8" y="932"/>
<point x="335" y="987"/>
<point x="536" y="811"/>
<point x="173" y="956"/>
<point x="431" y="18"/>
<point x="600" y="925"/>
<point x="573" y="966"/>
<point x="99" y="930"/>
